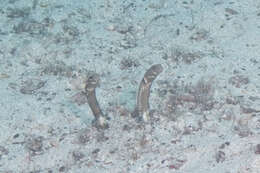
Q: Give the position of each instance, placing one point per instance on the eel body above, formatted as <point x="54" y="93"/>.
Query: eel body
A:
<point x="90" y="89"/>
<point x="142" y="100"/>
<point x="142" y="105"/>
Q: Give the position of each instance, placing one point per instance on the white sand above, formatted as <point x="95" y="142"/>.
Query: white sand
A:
<point x="206" y="102"/>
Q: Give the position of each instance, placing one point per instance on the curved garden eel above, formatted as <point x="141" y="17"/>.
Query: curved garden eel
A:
<point x="142" y="99"/>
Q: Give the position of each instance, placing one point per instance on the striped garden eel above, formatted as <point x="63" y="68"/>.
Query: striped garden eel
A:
<point x="90" y="89"/>
<point x="142" y="105"/>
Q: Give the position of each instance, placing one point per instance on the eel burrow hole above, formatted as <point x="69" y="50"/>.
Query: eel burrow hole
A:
<point x="142" y="105"/>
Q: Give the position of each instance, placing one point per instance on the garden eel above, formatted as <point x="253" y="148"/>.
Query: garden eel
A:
<point x="90" y="89"/>
<point x="142" y="105"/>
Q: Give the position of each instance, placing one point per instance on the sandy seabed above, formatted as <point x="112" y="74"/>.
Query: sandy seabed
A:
<point x="205" y="105"/>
